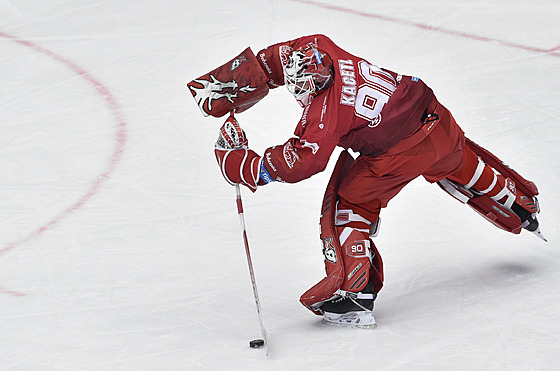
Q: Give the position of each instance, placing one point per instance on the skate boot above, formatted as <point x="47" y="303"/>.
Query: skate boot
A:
<point x="351" y="309"/>
<point x="526" y="208"/>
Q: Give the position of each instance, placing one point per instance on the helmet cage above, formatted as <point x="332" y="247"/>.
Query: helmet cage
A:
<point x="305" y="74"/>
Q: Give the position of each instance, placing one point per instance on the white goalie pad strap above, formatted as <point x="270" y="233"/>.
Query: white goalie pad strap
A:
<point x="355" y="295"/>
<point x="346" y="216"/>
<point x="455" y="190"/>
<point x="477" y="174"/>
<point x="505" y="193"/>
<point x="346" y="233"/>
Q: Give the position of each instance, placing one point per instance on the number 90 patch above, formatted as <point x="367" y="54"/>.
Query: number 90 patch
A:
<point x="357" y="248"/>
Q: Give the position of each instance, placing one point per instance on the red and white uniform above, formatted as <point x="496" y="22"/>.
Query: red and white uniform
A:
<point x="367" y="109"/>
<point x="401" y="132"/>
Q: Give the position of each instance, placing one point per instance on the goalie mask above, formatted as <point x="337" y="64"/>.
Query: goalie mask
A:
<point x="307" y="72"/>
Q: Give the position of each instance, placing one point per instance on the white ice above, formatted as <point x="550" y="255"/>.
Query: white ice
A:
<point x="120" y="244"/>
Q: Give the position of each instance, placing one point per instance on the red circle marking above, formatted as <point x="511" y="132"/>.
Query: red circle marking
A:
<point x="117" y="152"/>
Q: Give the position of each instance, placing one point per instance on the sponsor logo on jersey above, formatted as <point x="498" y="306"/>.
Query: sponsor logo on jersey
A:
<point x="347" y="72"/>
<point x="265" y="175"/>
<point x="323" y="111"/>
<point x="269" y="161"/>
<point x="262" y="56"/>
<point x="303" y="119"/>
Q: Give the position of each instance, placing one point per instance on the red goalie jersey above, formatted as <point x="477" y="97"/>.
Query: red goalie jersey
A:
<point x="366" y="108"/>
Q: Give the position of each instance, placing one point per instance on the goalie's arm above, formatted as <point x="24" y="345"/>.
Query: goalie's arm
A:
<point x="289" y="163"/>
<point x="295" y="160"/>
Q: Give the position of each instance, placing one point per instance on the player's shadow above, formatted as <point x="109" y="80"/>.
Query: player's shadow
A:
<point x="452" y="290"/>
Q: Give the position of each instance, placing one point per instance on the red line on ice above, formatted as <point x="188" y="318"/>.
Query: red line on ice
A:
<point x="10" y="292"/>
<point x="115" y="158"/>
<point x="552" y="52"/>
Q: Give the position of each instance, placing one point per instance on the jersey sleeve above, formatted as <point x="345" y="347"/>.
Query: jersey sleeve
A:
<point x="309" y="151"/>
<point x="296" y="160"/>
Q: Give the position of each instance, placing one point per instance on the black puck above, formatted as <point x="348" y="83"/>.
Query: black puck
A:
<point x="257" y="343"/>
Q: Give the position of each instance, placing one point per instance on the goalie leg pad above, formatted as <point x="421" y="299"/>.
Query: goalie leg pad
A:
<point x="494" y="190"/>
<point x="526" y="187"/>
<point x="326" y="288"/>
<point x="352" y="262"/>
<point x="358" y="251"/>
<point x="491" y="210"/>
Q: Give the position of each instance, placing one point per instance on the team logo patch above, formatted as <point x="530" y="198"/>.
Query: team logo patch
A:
<point x="375" y="122"/>
<point x="290" y="155"/>
<point x="314" y="146"/>
<point x="328" y="250"/>
<point x="285" y="51"/>
<point x="511" y="185"/>
<point x="237" y="62"/>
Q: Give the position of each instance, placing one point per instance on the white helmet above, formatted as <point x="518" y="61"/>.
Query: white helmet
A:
<point x="307" y="72"/>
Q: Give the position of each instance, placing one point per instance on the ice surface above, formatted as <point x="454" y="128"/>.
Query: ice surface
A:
<point x="120" y="245"/>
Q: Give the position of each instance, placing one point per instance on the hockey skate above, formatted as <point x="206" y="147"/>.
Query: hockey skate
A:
<point x="511" y="213"/>
<point x="351" y="309"/>
<point x="526" y="208"/>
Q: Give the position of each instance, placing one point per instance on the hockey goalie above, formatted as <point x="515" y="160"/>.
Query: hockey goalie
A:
<point x="400" y="131"/>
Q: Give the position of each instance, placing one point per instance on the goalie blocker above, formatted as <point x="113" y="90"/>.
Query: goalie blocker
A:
<point x="506" y="214"/>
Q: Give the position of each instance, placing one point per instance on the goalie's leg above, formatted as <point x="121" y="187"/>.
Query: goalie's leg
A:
<point x="352" y="304"/>
<point x="478" y="178"/>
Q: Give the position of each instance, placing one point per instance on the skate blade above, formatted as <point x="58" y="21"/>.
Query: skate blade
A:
<point x="351" y="325"/>
<point x="540" y="234"/>
<point x="363" y="320"/>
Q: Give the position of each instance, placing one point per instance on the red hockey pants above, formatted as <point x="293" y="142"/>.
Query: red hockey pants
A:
<point x="374" y="181"/>
<point x="436" y="154"/>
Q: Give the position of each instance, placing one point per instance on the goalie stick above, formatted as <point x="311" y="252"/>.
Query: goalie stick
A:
<point x="257" y="343"/>
<point x="234" y="86"/>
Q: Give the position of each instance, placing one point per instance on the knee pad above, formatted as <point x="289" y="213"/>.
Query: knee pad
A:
<point x="356" y="254"/>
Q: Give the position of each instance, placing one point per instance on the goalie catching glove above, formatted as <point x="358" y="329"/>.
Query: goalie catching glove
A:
<point x="238" y="164"/>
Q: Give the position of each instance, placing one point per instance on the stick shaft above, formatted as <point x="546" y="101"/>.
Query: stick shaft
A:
<point x="249" y="262"/>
